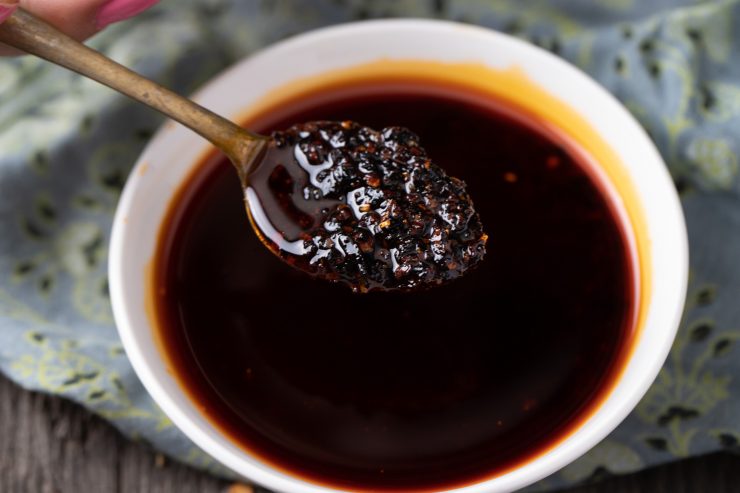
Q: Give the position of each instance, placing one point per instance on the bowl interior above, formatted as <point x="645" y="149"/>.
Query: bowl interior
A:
<point x="636" y="172"/>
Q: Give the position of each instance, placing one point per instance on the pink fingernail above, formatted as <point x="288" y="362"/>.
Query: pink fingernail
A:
<point x="118" y="10"/>
<point x="6" y="10"/>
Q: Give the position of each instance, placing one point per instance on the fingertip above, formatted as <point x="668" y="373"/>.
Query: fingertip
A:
<point x="118" y="10"/>
<point x="7" y="9"/>
<point x="75" y="18"/>
<point x="79" y="19"/>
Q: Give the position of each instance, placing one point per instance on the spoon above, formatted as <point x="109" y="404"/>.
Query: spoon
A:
<point x="337" y="200"/>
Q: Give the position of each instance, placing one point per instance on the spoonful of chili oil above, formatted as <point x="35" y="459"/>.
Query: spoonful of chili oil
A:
<point x="337" y="200"/>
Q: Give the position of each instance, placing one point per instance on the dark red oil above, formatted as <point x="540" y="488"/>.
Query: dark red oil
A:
<point x="406" y="391"/>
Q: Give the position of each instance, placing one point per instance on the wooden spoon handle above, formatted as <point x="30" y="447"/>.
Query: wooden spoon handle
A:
<point x="24" y="31"/>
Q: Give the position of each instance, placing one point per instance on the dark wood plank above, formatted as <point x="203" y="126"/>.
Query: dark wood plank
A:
<point x="140" y="469"/>
<point x="49" y="445"/>
<point x="715" y="473"/>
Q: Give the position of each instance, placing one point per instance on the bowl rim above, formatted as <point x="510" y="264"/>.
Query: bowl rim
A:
<point x="264" y="473"/>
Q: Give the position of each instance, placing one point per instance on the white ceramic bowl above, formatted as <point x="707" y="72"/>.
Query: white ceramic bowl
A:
<point x="174" y="152"/>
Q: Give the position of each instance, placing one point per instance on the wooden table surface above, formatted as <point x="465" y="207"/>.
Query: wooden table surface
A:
<point x="49" y="445"/>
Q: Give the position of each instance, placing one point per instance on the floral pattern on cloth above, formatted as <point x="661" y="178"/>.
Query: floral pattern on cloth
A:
<point x="67" y="145"/>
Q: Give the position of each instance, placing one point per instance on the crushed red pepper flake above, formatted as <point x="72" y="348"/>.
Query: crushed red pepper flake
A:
<point x="400" y="221"/>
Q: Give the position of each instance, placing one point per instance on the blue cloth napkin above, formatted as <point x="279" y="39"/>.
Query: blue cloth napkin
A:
<point x="67" y="145"/>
